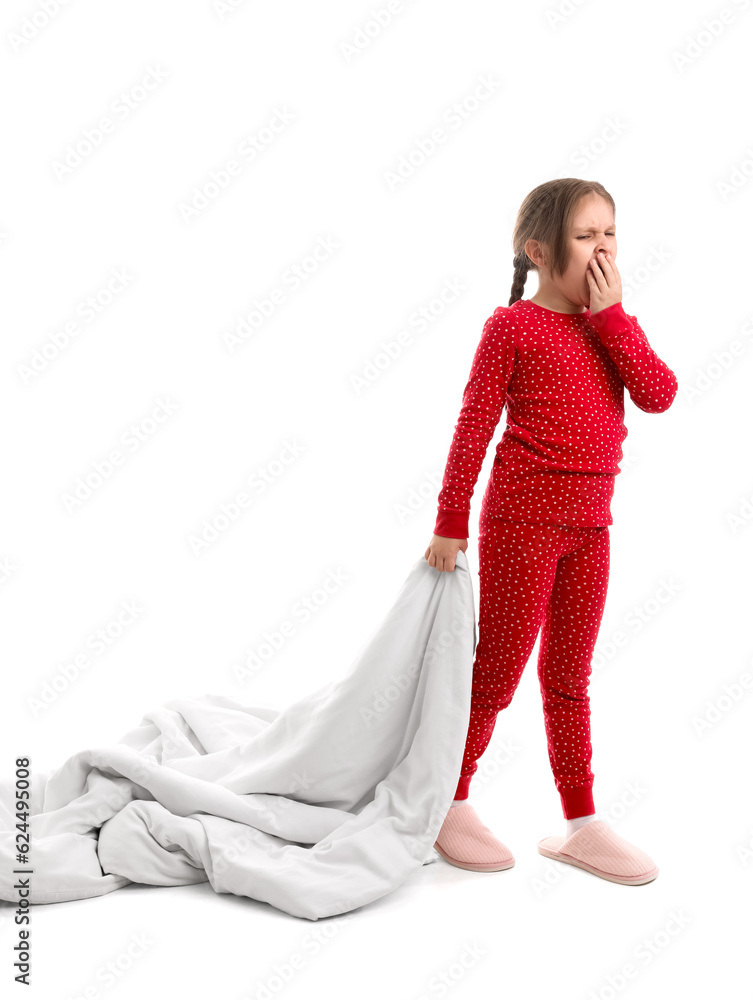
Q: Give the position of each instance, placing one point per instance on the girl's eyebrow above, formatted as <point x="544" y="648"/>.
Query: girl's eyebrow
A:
<point x="590" y="229"/>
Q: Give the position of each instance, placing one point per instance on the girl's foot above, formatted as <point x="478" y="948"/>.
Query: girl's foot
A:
<point x="601" y="851"/>
<point x="465" y="842"/>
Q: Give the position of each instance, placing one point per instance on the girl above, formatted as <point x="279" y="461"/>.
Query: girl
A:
<point x="561" y="362"/>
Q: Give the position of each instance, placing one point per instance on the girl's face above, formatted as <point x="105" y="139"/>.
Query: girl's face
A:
<point x="592" y="232"/>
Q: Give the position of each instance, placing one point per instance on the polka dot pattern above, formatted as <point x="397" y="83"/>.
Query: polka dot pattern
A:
<point x="554" y="578"/>
<point x="562" y="378"/>
<point x="543" y="530"/>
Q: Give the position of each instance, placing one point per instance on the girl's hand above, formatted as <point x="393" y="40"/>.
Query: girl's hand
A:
<point x="442" y="551"/>
<point x="604" y="282"/>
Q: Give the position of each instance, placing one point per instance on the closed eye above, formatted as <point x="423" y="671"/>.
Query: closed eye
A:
<point x="586" y="237"/>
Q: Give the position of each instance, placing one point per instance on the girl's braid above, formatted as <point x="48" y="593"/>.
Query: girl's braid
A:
<point x="521" y="263"/>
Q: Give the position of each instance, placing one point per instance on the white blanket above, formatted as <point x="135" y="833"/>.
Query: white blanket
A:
<point x="318" y="809"/>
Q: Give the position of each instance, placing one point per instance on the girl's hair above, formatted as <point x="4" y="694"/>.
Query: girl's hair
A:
<point x="545" y="215"/>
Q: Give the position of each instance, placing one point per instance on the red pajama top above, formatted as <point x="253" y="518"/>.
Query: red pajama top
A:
<point x="563" y="378"/>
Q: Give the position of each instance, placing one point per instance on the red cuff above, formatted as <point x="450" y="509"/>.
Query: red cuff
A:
<point x="577" y="801"/>
<point x="452" y="523"/>
<point x="611" y="318"/>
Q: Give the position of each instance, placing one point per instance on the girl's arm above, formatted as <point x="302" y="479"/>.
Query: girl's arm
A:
<point x="483" y="401"/>
<point x="651" y="383"/>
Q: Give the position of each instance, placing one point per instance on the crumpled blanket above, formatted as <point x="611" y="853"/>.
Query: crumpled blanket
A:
<point x="317" y="809"/>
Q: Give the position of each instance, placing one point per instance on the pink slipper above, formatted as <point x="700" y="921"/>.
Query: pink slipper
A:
<point x="599" y="850"/>
<point x="465" y="842"/>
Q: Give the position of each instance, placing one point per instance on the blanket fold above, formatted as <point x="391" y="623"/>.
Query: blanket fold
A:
<point x="317" y="809"/>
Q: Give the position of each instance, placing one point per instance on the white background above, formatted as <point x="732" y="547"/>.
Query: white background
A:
<point x="638" y="96"/>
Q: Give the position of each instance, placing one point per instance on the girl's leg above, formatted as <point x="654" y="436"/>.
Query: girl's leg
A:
<point x="517" y="566"/>
<point x="568" y="636"/>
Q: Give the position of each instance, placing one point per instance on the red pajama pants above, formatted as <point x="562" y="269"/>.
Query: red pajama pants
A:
<point x="551" y="577"/>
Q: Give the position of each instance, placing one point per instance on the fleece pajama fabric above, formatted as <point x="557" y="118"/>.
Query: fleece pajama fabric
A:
<point x="545" y="515"/>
